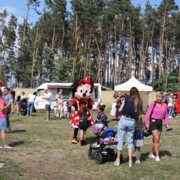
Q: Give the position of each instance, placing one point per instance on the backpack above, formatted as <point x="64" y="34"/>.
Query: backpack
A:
<point x="103" y="117"/>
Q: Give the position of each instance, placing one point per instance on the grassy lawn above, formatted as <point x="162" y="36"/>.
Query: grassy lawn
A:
<point x="43" y="150"/>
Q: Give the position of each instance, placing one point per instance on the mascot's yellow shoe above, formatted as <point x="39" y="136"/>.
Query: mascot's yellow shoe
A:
<point x="74" y="141"/>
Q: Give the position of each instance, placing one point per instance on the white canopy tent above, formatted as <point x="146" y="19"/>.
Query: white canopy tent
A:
<point x="144" y="90"/>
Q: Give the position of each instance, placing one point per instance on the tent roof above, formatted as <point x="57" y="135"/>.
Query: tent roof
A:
<point x="133" y="82"/>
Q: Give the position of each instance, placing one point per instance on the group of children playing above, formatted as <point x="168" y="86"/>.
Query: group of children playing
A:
<point x="61" y="109"/>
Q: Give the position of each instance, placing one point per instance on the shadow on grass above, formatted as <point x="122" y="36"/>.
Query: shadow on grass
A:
<point x="144" y="156"/>
<point x="19" y="131"/>
<point x="89" y="140"/>
<point x="16" y="143"/>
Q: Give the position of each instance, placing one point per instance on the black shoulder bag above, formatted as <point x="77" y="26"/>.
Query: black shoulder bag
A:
<point x="146" y="131"/>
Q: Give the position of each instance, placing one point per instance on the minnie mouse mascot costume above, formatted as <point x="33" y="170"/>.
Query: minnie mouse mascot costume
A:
<point x="82" y="90"/>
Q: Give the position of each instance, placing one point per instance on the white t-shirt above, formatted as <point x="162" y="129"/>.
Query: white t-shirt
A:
<point x="31" y="97"/>
<point x="47" y="95"/>
<point x="23" y="97"/>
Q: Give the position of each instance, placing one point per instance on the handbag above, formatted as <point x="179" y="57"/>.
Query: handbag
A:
<point x="146" y="131"/>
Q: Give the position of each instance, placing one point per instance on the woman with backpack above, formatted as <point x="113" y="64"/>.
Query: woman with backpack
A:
<point x="101" y="117"/>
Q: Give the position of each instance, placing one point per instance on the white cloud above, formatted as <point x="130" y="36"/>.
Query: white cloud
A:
<point x="20" y="20"/>
<point x="9" y="9"/>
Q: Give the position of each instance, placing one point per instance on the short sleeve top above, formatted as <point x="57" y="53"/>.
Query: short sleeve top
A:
<point x="129" y="108"/>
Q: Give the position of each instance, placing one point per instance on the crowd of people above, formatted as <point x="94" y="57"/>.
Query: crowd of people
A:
<point x="61" y="109"/>
<point x="126" y="108"/>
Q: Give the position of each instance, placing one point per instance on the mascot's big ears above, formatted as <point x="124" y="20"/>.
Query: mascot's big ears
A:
<point x="87" y="80"/>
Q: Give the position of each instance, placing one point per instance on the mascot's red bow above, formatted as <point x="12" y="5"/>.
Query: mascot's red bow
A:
<point x="85" y="81"/>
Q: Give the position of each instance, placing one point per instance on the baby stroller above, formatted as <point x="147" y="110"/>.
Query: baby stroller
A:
<point x="24" y="107"/>
<point x="105" y="136"/>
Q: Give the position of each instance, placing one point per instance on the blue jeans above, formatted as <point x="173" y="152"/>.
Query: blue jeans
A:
<point x="125" y="125"/>
<point x="30" y="107"/>
<point x="171" y="110"/>
<point x="8" y="122"/>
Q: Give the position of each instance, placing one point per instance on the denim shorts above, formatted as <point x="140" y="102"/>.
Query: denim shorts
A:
<point x="3" y="123"/>
<point x="48" y="107"/>
<point x="125" y="125"/>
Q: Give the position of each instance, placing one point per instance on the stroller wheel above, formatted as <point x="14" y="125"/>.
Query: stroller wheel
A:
<point x="98" y="158"/>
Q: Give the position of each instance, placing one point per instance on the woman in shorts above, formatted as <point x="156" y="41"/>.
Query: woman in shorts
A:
<point x="3" y="123"/>
<point x="154" y="121"/>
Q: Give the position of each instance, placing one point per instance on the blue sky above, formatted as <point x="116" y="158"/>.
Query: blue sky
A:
<point x="18" y="7"/>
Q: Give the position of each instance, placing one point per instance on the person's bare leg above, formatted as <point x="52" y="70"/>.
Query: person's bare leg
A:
<point x="84" y="135"/>
<point x="48" y="114"/>
<point x="118" y="155"/>
<point x="151" y="148"/>
<point x="130" y="154"/>
<point x="81" y="134"/>
<point x="3" y="136"/>
<point x="17" y="108"/>
<point x="156" y="138"/>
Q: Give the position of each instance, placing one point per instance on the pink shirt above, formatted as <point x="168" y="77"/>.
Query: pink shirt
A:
<point x="158" y="113"/>
<point x="2" y="112"/>
<point x="60" y="101"/>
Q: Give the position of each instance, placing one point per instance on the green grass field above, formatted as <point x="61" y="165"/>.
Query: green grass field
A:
<point x="43" y="151"/>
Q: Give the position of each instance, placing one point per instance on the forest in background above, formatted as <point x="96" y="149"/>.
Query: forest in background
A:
<point x="110" y="40"/>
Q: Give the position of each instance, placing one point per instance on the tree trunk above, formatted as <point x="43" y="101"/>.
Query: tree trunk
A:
<point x="53" y="38"/>
<point x="77" y="38"/>
<point x="161" y="41"/>
<point x="62" y="41"/>
<point x="24" y="31"/>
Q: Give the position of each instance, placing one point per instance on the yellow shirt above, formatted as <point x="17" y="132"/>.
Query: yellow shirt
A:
<point x="55" y="105"/>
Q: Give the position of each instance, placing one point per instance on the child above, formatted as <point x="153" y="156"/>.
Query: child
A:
<point x="83" y="123"/>
<point x="60" y="106"/>
<point x="97" y="107"/>
<point x="55" y="106"/>
<point x="69" y="104"/>
<point x="17" y="102"/>
<point x="138" y="138"/>
<point x="101" y="117"/>
<point x="66" y="110"/>
<point x="118" y="113"/>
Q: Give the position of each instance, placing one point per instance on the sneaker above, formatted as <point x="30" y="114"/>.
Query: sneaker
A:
<point x="74" y="141"/>
<point x="157" y="158"/>
<point x="151" y="156"/>
<point x="169" y="116"/>
<point x="47" y="119"/>
<point x="116" y="163"/>
<point x="137" y="162"/>
<point x="7" y="147"/>
<point x="130" y="163"/>
<point x="27" y="115"/>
